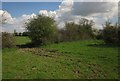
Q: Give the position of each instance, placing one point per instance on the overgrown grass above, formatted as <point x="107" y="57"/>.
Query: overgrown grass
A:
<point x="67" y="60"/>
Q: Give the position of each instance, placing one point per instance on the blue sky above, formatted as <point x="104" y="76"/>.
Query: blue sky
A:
<point x="19" y="8"/>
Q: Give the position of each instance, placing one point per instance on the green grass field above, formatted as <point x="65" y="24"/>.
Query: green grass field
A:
<point x="88" y="59"/>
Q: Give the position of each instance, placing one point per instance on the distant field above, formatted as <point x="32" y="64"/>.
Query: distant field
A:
<point x="21" y="40"/>
<point x="88" y="59"/>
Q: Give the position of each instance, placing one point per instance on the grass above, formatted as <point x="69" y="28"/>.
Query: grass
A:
<point x="19" y="40"/>
<point x="88" y="59"/>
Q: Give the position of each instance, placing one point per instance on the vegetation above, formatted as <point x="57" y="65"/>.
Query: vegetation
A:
<point x="42" y="33"/>
<point x="22" y="40"/>
<point x="20" y="33"/>
<point x="7" y="40"/>
<point x="73" y="32"/>
<point x="25" y="34"/>
<point x="41" y="30"/>
<point x="78" y="56"/>
<point x="111" y="33"/>
<point x="66" y="60"/>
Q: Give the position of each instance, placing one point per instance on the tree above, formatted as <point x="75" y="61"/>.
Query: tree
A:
<point x="111" y="33"/>
<point x="41" y="30"/>
<point x="25" y="33"/>
<point x="71" y="31"/>
<point x="85" y="28"/>
<point x="19" y="34"/>
<point x="15" y="33"/>
<point x="80" y="31"/>
<point x="119" y="33"/>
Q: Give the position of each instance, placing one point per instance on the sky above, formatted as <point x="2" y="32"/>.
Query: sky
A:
<point x="17" y="13"/>
<point x="19" y="8"/>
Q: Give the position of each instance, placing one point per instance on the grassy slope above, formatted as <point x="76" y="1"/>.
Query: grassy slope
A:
<point x="80" y="59"/>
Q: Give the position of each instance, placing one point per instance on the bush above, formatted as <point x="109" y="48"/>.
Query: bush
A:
<point x="25" y="34"/>
<point x="85" y="29"/>
<point x="111" y="33"/>
<point x="41" y="30"/>
<point x="7" y="40"/>
<point x="73" y="32"/>
<point x="70" y="32"/>
<point x="98" y="34"/>
<point x="119" y="34"/>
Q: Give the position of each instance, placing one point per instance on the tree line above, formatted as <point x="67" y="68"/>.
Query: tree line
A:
<point x="43" y="30"/>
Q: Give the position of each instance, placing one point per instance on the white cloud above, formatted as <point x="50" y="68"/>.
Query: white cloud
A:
<point x="19" y="23"/>
<point x="96" y="0"/>
<point x="98" y="11"/>
<point x="43" y="12"/>
<point x="48" y="13"/>
<point x="14" y="23"/>
<point x="5" y="17"/>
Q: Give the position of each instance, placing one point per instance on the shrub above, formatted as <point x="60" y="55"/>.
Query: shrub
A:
<point x="7" y="40"/>
<point x="98" y="34"/>
<point x="73" y="32"/>
<point x="119" y="34"/>
<point x="70" y="32"/>
<point x="25" y="34"/>
<point x="41" y="30"/>
<point x="111" y="33"/>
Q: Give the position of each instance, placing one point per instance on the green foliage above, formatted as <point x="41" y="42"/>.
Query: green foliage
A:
<point x="19" y="34"/>
<point x="119" y="33"/>
<point x="111" y="33"/>
<point x="85" y="29"/>
<point x="98" y="34"/>
<point x="41" y="29"/>
<point x="7" y="40"/>
<point x="70" y="32"/>
<point x="25" y="34"/>
<point x="80" y="31"/>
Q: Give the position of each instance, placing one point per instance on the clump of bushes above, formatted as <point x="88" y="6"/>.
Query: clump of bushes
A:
<point x="7" y="40"/>
<point x="25" y="34"/>
<point x="81" y="31"/>
<point x="111" y="33"/>
<point x="41" y="30"/>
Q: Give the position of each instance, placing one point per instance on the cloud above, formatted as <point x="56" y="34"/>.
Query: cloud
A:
<point x="92" y="8"/>
<point x="47" y="13"/>
<point x="19" y="23"/>
<point x="96" y="0"/>
<point x="14" y="23"/>
<point x="98" y="11"/>
<point x="5" y="17"/>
